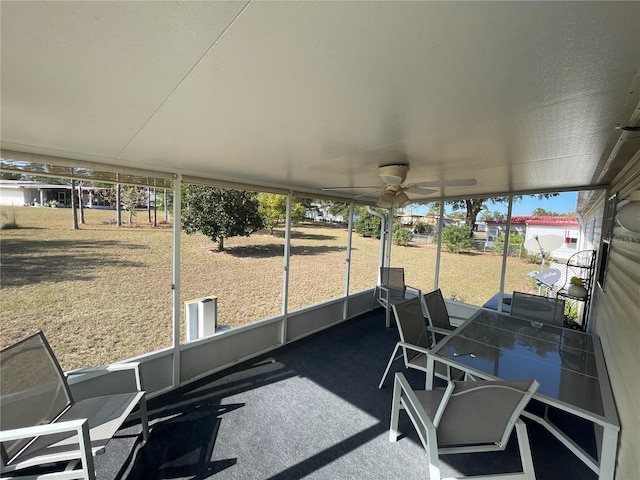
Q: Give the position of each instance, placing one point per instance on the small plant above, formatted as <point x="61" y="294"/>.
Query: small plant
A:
<point x="577" y="281"/>
<point x="9" y="219"/>
<point x="53" y="203"/>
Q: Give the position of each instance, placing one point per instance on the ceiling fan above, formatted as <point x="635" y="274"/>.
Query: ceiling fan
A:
<point x="394" y="189"/>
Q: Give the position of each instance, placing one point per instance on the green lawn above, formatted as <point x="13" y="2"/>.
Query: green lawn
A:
<point x="103" y="293"/>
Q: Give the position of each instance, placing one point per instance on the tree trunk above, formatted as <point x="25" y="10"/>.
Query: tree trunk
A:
<point x="155" y="209"/>
<point x="74" y="207"/>
<point x="166" y="207"/>
<point x="221" y="244"/>
<point x="81" y="204"/>
<point x="474" y="207"/>
<point x="118" y="211"/>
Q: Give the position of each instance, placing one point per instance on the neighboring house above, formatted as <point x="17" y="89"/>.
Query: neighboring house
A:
<point x="567" y="228"/>
<point x="320" y="213"/>
<point x="38" y="194"/>
<point x="21" y="193"/>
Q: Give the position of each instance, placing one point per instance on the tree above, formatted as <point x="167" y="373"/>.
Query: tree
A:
<point x="541" y="212"/>
<point x="219" y="213"/>
<point x="273" y="210"/>
<point x="131" y="197"/>
<point x="494" y="215"/>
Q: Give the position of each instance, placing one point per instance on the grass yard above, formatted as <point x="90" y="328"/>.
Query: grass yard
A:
<point x="103" y="293"/>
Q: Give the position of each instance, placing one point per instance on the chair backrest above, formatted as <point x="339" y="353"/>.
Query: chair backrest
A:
<point x="437" y="310"/>
<point x="33" y="388"/>
<point x="482" y="412"/>
<point x="411" y="325"/>
<point x="393" y="279"/>
<point x="537" y="308"/>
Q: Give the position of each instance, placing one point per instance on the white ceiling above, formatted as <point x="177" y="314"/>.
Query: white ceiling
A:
<point x="521" y="96"/>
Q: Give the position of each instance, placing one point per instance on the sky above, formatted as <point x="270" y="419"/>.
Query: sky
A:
<point x="563" y="203"/>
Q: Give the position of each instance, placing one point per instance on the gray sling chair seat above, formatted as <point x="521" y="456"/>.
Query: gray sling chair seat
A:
<point x="414" y="341"/>
<point x="393" y="290"/>
<point x="466" y="417"/>
<point x="42" y="425"/>
<point x="538" y="309"/>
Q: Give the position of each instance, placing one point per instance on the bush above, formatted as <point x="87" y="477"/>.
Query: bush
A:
<point x="515" y="245"/>
<point x="9" y="219"/>
<point x="457" y="239"/>
<point x="401" y="235"/>
<point x="367" y="225"/>
<point x="423" y="227"/>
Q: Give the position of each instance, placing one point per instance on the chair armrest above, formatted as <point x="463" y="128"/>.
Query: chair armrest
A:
<point x="83" y="452"/>
<point x="442" y="331"/>
<point x="414" y="290"/>
<point x="383" y="293"/>
<point x="414" y="348"/>
<point x="116" y="367"/>
<point x="404" y="397"/>
<point x="38" y="430"/>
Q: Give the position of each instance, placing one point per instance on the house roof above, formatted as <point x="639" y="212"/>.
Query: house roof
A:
<point x="15" y="184"/>
<point x="540" y="220"/>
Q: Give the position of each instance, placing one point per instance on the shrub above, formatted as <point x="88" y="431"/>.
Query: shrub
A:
<point x="401" y="235"/>
<point x="457" y="239"/>
<point x="9" y="219"/>
<point x="367" y="225"/>
<point x="424" y="227"/>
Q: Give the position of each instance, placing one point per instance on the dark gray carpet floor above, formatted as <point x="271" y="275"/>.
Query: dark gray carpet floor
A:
<point x="311" y="409"/>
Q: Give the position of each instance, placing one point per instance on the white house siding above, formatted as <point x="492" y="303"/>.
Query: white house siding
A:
<point x="530" y="229"/>
<point x="566" y="249"/>
<point x="615" y="318"/>
<point x="12" y="196"/>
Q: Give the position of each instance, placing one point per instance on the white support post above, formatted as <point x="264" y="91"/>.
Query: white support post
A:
<point x="440" y="226"/>
<point x="388" y="239"/>
<point x="175" y="286"/>
<point x="286" y="260"/>
<point x="347" y="274"/>
<point x="505" y="254"/>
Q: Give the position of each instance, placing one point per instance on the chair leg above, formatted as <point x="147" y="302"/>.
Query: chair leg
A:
<point x="395" y="411"/>
<point x="391" y="360"/>
<point x="144" y="419"/>
<point x="525" y="451"/>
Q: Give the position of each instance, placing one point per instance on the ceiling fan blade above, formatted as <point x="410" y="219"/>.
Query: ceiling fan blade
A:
<point x="462" y="182"/>
<point x="370" y="187"/>
<point x="419" y="190"/>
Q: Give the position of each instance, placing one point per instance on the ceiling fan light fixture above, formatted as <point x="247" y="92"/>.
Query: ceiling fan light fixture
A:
<point x="402" y="200"/>
<point x="386" y="200"/>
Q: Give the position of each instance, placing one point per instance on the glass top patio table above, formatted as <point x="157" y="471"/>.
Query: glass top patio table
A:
<point x="569" y="365"/>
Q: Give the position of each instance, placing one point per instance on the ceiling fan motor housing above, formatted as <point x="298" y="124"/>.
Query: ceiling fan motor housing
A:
<point x="394" y="174"/>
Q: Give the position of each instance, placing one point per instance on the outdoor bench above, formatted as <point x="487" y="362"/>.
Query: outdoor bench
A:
<point x="40" y="423"/>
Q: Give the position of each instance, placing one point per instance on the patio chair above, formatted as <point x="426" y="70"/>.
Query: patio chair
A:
<point x="538" y="309"/>
<point x="41" y="424"/>
<point x="439" y="321"/>
<point x="466" y="417"/>
<point x="393" y="290"/>
<point x="414" y="340"/>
